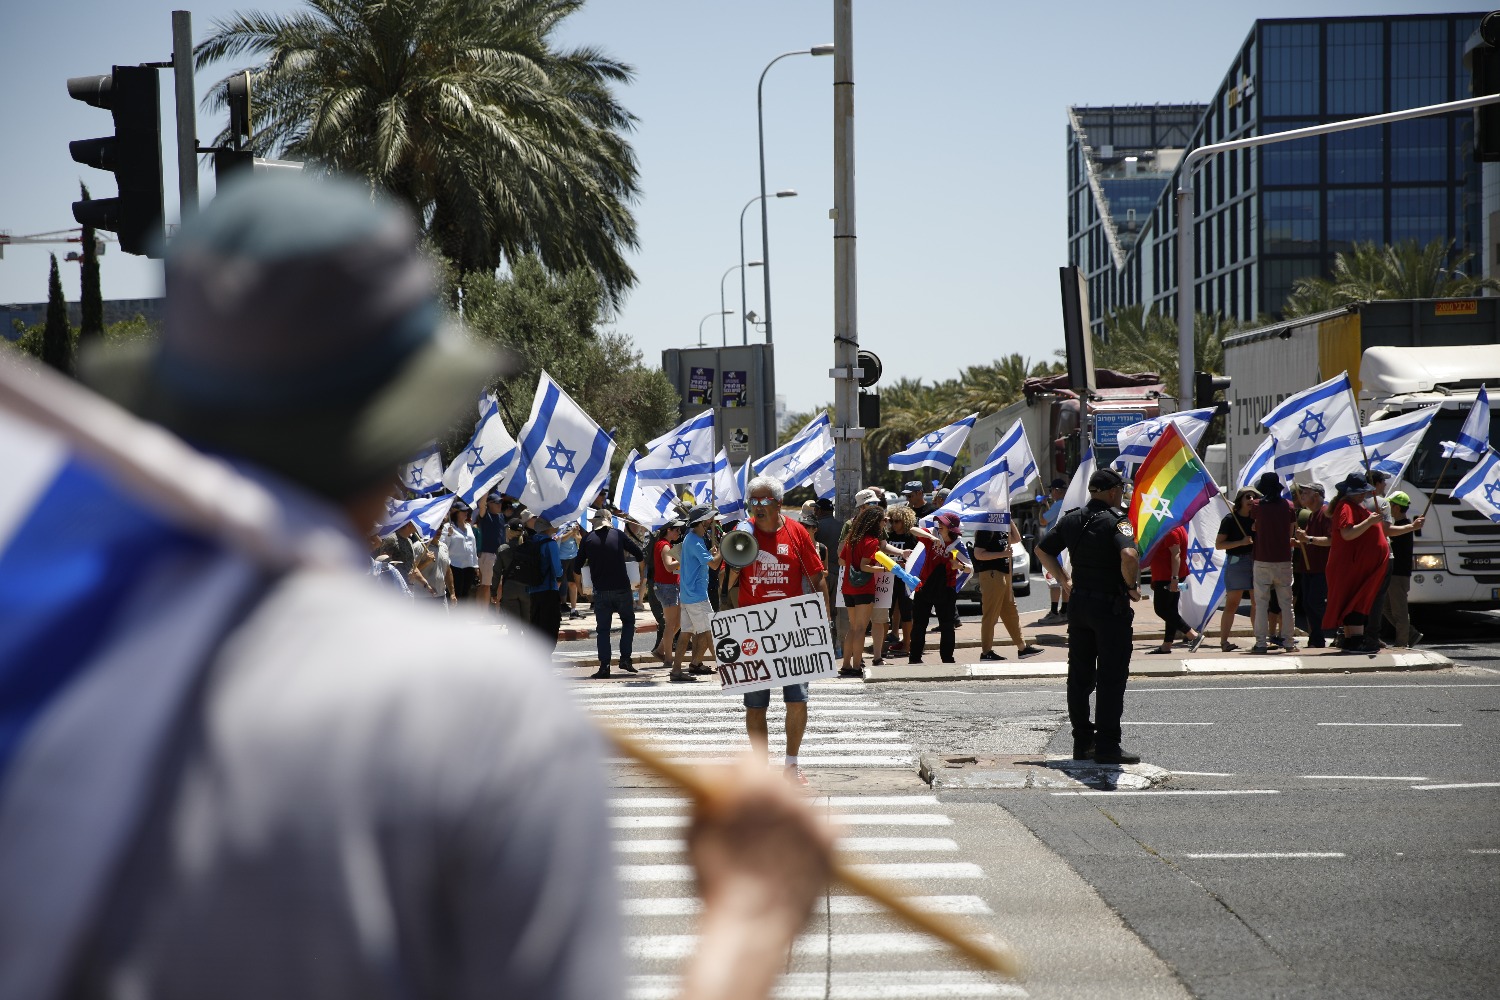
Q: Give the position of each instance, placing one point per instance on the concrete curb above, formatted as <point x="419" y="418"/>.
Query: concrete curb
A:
<point x="952" y="771"/>
<point x="1331" y="661"/>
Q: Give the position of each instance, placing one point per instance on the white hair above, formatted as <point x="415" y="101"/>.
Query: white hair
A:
<point x="770" y="483"/>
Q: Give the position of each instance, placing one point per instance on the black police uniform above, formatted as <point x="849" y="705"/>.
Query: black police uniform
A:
<point x="1099" y="619"/>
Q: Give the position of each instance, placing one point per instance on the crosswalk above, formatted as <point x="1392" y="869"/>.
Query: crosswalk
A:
<point x="851" y="949"/>
<point x="845" y="726"/>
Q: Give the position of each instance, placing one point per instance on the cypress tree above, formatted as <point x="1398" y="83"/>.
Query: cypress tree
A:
<point x="91" y="300"/>
<point x="57" y="336"/>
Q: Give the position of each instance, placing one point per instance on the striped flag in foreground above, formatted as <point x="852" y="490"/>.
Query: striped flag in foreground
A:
<point x="1170" y="487"/>
<point x="1203" y="590"/>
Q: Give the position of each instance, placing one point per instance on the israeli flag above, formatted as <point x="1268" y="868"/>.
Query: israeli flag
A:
<point x="564" y="456"/>
<point x="1318" y="426"/>
<point x="982" y="498"/>
<point x="1135" y="441"/>
<point x="1474" y="435"/>
<point x="1015" y="451"/>
<point x="1261" y="460"/>
<point x="729" y="487"/>
<point x="648" y="503"/>
<point x="938" y="449"/>
<point x="1392" y="442"/>
<point x="423" y="474"/>
<point x="1480" y="489"/>
<point x="684" y="453"/>
<point x="916" y="563"/>
<point x="805" y="460"/>
<point x="427" y="513"/>
<point x="487" y="459"/>
<point x="1203" y="590"/>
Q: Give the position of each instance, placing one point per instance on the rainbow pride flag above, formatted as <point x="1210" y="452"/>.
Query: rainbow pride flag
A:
<point x="1170" y="487"/>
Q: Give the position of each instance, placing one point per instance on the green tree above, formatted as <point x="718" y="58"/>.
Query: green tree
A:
<point x="1403" y="270"/>
<point x="502" y="143"/>
<point x="57" y="334"/>
<point x="90" y="299"/>
<point x="1139" y="341"/>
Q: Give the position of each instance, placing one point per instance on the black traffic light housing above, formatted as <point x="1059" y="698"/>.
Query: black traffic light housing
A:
<point x="1484" y="67"/>
<point x="869" y="402"/>
<point x="1205" y="386"/>
<point x="132" y="96"/>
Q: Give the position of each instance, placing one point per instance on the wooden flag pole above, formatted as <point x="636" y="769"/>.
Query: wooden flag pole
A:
<point x="1000" y="959"/>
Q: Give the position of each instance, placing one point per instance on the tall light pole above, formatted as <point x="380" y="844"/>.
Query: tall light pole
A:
<point x="760" y="127"/>
<point x="705" y="319"/>
<point x="847" y="434"/>
<point x="783" y="193"/>
<point x="723" y="323"/>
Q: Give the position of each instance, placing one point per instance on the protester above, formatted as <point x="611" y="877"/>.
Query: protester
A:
<point x="787" y="557"/>
<point x="915" y="494"/>
<point x="382" y="569"/>
<point x="490" y="525"/>
<point x="1105" y="582"/>
<point x="1236" y="539"/>
<point x="992" y="555"/>
<point x="545" y="594"/>
<point x="567" y="551"/>
<point x="857" y="557"/>
<point x="463" y="551"/>
<point x="1169" y="567"/>
<point x="901" y="519"/>
<point x="696" y="611"/>
<point x="1403" y="532"/>
<point x="946" y="561"/>
<point x="604" y="550"/>
<point x="1380" y="482"/>
<point x="665" y="583"/>
<point x="1356" y="564"/>
<point x="1312" y="560"/>
<point x="430" y="567"/>
<point x="1275" y="523"/>
<point x="345" y="797"/>
<point x="512" y="596"/>
<point x="1058" y="610"/>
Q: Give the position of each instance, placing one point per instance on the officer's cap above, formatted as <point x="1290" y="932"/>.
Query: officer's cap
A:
<point x="1105" y="480"/>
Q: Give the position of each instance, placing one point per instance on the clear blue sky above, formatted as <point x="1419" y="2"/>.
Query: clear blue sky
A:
<point x="960" y="140"/>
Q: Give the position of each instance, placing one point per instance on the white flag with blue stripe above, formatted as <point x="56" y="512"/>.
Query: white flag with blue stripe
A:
<point x="423" y="474"/>
<point x="1260" y="460"/>
<point x="1316" y="427"/>
<point x="489" y="457"/>
<point x="939" y="449"/>
<point x="805" y="460"/>
<point x="1392" y="442"/>
<point x="1474" y="436"/>
<point x="1135" y="441"/>
<point x="649" y="503"/>
<point x="1480" y="489"/>
<point x="1015" y="451"/>
<point x="1203" y="590"/>
<point x="564" y="456"/>
<point x="683" y="454"/>
<point x="982" y="498"/>
<point x="427" y="513"/>
<point x="728" y="487"/>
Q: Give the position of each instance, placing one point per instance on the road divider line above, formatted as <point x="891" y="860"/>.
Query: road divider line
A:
<point x="1207" y="774"/>
<point x="1396" y="725"/>
<point x="1168" y="723"/>
<point x="1179" y="791"/>
<point x="1360" y="777"/>
<point x="1484" y="850"/>
<point x="916" y="845"/>
<point x="1270" y="854"/>
<point x="688" y="906"/>
<point x="1464" y="784"/>
<point x="675" y="947"/>
<point x="884" y="985"/>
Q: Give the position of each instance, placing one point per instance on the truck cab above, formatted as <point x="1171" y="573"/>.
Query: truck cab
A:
<point x="1457" y="553"/>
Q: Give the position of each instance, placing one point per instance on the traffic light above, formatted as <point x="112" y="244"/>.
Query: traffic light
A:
<point x="133" y="154"/>
<point x="1484" y="65"/>
<point x="1206" y="385"/>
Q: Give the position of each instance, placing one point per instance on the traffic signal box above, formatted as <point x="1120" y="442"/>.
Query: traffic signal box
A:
<point x="1205" y="386"/>
<point x="1484" y="65"/>
<point x="132" y="96"/>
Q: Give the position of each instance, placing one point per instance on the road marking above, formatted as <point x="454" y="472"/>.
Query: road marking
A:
<point x="1181" y="791"/>
<point x="687" y="906"/>
<point x="853" y="844"/>
<point x="1398" y="725"/>
<point x="810" y="748"/>
<point x="675" y="947"/>
<point x="1469" y="784"/>
<point x="921" y="870"/>
<point x="694" y="703"/>
<point x="1360" y="777"/>
<point x="831" y="801"/>
<point x="1207" y="774"/>
<point x="1484" y="850"/>
<point x="739" y="715"/>
<point x="1168" y="723"/>
<point x="1144" y="689"/>
<point x="886" y="985"/>
<point x="678" y="822"/>
<point x="806" y="760"/>
<point x="1273" y="854"/>
<point x="655" y="733"/>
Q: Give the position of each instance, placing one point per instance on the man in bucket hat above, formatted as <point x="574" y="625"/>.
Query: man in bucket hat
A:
<point x="358" y="796"/>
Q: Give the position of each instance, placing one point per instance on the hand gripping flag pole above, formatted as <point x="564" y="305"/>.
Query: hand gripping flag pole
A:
<point x="188" y="488"/>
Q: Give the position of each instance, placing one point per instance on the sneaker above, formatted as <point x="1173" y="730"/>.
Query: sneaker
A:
<point x="1116" y="756"/>
<point x="1416" y="637"/>
<point x="795" y="776"/>
<point x="1275" y="640"/>
<point x="601" y="674"/>
<point x="628" y="667"/>
<point x="1260" y="647"/>
<point x="1030" y="650"/>
<point x="1290" y="647"/>
<point x="990" y="654"/>
<point x="851" y="672"/>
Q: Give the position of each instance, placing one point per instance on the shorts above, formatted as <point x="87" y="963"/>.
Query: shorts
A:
<point x="486" y="568"/>
<point x="695" y="617"/>
<point x="666" y="593"/>
<point x="855" y="600"/>
<point x="789" y="694"/>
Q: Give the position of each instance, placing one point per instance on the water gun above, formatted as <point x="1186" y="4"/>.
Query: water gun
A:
<point x="902" y="573"/>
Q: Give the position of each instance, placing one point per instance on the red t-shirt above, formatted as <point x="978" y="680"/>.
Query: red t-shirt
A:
<point x="785" y="558"/>
<point x="1274" y="518"/>
<point x="1317" y="555"/>
<point x="854" y="555"/>
<point x="1160" y="562"/>
<point x="660" y="573"/>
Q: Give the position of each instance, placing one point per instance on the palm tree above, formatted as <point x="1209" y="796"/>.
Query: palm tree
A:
<point x="500" y="143"/>
<point x="1138" y="341"/>
<point x="1401" y="270"/>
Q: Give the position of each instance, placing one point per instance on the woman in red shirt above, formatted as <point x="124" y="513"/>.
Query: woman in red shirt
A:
<point x="1169" y="567"/>
<point x="1356" y="563"/>
<point x="664" y="581"/>
<point x="857" y="557"/>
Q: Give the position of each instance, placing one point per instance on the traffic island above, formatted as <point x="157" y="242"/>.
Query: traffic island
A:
<point x="1031" y="771"/>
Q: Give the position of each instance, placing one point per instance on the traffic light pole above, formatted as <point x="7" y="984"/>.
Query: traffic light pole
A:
<point x="187" y="117"/>
<point x="847" y="434"/>
<point x="1187" y="217"/>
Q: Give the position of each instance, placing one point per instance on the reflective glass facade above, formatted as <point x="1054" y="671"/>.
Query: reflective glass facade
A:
<point x="1270" y="215"/>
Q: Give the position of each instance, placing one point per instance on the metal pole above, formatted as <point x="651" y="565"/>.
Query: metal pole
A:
<point x="724" y="323"/>
<point x="1185" y="286"/>
<point x="760" y="128"/>
<point x="187" y="119"/>
<point x="847" y="433"/>
<point x="744" y="323"/>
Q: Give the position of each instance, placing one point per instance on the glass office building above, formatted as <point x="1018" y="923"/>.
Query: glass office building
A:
<point x="1269" y="215"/>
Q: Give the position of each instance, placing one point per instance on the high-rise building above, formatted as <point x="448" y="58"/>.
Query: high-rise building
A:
<point x="1270" y="215"/>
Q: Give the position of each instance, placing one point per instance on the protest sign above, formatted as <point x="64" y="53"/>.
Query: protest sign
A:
<point x="735" y="393"/>
<point x="772" y="645"/>
<point x="885" y="589"/>
<point x="701" y="387"/>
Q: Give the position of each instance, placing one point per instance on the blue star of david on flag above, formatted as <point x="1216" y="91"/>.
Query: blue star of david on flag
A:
<point x="1312" y="426"/>
<point x="563" y="468"/>
<point x="474" y="463"/>
<point x="933" y="440"/>
<point x="1200" y="560"/>
<point x="415" y="478"/>
<point x="1491" y="490"/>
<point x="973" y="498"/>
<point x="937" y="449"/>
<point x="1155" y="431"/>
<point x="680" y="449"/>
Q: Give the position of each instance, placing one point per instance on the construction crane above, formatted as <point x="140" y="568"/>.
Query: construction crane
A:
<point x="56" y="236"/>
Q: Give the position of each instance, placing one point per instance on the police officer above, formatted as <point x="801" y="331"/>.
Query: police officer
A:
<point x="1106" y="565"/>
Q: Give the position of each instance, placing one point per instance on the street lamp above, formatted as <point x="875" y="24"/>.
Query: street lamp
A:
<point x="783" y="193"/>
<point x="723" y="324"/>
<point x="760" y="127"/>
<point x="705" y="319"/>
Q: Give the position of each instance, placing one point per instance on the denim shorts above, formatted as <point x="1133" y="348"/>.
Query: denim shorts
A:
<point x="666" y="593"/>
<point x="789" y="694"/>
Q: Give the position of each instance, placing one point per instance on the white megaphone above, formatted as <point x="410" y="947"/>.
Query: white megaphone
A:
<point x="739" y="548"/>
